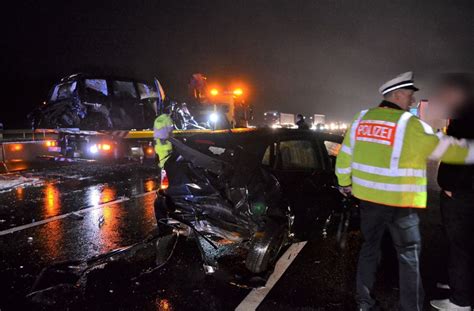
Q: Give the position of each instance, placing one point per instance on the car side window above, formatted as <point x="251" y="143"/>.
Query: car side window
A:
<point x="64" y="90"/>
<point x="269" y="156"/>
<point x="146" y="91"/>
<point x="96" y="89"/>
<point x="125" y="89"/>
<point x="298" y="155"/>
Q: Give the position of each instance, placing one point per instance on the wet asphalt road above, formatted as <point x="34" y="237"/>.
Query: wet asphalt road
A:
<point x="320" y="278"/>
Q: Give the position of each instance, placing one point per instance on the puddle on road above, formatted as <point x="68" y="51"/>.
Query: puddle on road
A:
<point x="34" y="196"/>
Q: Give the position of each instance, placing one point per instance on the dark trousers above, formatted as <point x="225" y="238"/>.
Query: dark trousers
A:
<point x="458" y="218"/>
<point x="403" y="225"/>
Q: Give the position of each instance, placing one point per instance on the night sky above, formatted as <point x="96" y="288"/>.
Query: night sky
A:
<point x="314" y="56"/>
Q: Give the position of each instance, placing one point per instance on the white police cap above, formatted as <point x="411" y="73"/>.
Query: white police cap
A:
<point x="403" y="81"/>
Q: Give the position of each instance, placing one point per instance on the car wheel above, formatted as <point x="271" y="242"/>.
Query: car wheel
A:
<point x="265" y="246"/>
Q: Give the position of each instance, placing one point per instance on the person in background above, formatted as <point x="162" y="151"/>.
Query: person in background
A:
<point x="162" y="130"/>
<point x="456" y="93"/>
<point x="383" y="162"/>
<point x="301" y="123"/>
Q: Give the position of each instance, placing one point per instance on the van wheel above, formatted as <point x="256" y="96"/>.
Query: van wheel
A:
<point x="265" y="246"/>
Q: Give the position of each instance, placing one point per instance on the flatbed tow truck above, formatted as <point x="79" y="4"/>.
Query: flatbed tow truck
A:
<point x="90" y="117"/>
<point x="20" y="147"/>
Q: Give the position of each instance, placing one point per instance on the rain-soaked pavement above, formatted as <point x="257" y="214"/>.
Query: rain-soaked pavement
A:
<point x="77" y="211"/>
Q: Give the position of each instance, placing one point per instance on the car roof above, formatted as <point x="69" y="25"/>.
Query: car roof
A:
<point x="255" y="135"/>
<point x="78" y="76"/>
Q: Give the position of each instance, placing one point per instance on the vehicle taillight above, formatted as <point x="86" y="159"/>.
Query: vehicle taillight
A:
<point x="164" y="180"/>
<point x="149" y="150"/>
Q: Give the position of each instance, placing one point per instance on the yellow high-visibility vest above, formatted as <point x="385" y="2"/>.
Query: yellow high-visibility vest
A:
<point x="384" y="156"/>
<point x="162" y="128"/>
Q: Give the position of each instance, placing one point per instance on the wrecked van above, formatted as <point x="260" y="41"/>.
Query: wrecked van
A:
<point x="259" y="188"/>
<point x="92" y="102"/>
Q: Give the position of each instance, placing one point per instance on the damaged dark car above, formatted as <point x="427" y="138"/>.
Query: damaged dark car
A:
<point x="260" y="189"/>
<point x="92" y="102"/>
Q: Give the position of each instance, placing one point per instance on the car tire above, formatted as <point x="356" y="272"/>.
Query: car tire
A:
<point x="265" y="246"/>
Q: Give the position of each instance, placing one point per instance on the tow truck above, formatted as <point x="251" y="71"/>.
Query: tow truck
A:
<point x="102" y="118"/>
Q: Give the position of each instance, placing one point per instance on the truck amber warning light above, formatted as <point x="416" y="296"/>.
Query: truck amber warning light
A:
<point x="238" y="92"/>
<point x="214" y="92"/>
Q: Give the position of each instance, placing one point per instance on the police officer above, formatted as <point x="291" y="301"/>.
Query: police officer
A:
<point x="383" y="163"/>
<point x="162" y="128"/>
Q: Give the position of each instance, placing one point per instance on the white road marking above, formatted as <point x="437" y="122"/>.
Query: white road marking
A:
<point x="256" y="296"/>
<point x="81" y="211"/>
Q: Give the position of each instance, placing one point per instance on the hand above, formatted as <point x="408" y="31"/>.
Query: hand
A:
<point x="345" y="191"/>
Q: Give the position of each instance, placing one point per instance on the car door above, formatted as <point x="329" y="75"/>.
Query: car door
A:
<point x="302" y="166"/>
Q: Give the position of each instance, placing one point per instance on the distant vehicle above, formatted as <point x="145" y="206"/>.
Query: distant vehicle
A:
<point x="261" y="188"/>
<point x="318" y="121"/>
<point x="92" y="102"/>
<point x="276" y="119"/>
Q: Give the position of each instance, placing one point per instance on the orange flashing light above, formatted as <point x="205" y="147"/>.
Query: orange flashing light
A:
<point x="238" y="92"/>
<point x="214" y="92"/>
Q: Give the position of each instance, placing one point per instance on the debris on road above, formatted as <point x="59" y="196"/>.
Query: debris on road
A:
<point x="10" y="182"/>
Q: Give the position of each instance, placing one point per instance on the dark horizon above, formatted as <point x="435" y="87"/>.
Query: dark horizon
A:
<point x="311" y="57"/>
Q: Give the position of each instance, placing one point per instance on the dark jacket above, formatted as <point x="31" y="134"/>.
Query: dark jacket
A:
<point x="302" y="124"/>
<point x="459" y="177"/>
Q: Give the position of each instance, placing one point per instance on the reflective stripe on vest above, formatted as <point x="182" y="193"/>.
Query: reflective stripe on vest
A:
<point x="346" y="149"/>
<point x="441" y="148"/>
<point x="399" y="138"/>
<point x="388" y="187"/>
<point x="470" y="155"/>
<point x="428" y="129"/>
<point x="344" y="170"/>
<point x="162" y="133"/>
<point x="394" y="172"/>
<point x="445" y="142"/>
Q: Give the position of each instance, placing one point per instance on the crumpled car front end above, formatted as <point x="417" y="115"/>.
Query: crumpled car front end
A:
<point x="224" y="200"/>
